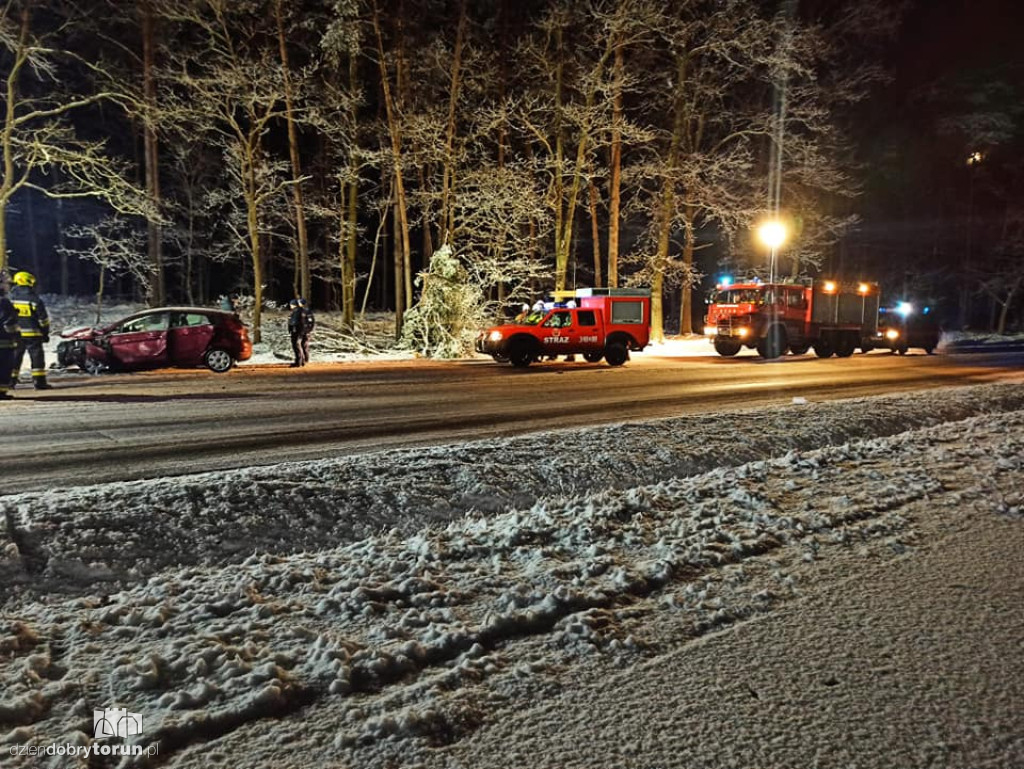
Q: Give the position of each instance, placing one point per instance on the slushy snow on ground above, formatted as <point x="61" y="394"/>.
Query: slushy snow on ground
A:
<point x="823" y="585"/>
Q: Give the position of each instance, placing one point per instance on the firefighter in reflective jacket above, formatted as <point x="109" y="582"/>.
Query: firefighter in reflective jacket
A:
<point x="8" y="337"/>
<point x="35" y="329"/>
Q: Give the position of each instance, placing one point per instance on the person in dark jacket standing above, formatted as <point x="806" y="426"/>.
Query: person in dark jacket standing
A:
<point x="9" y="337"/>
<point x="35" y="329"/>
<point x="300" y="326"/>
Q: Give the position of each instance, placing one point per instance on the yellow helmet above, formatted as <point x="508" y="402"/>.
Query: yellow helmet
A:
<point x="24" y="279"/>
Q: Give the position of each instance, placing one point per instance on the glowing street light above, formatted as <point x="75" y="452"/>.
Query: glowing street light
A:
<point x="773" y="234"/>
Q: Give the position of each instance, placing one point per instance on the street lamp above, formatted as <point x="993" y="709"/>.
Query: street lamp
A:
<point x="772" y="234"/>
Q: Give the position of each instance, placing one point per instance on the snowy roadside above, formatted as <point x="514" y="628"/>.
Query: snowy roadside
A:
<point x="69" y="538"/>
<point x="368" y="621"/>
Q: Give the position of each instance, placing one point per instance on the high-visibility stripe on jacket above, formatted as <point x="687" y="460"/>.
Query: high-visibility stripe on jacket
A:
<point x="33" y="319"/>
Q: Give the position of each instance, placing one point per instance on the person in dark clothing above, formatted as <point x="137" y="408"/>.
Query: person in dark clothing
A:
<point x="300" y="325"/>
<point x="35" y="329"/>
<point x="9" y="337"/>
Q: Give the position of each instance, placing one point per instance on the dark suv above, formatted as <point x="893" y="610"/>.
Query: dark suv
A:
<point x="899" y="334"/>
<point x="157" y="338"/>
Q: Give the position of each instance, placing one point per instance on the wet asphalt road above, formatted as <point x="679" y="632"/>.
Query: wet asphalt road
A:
<point x="144" y="425"/>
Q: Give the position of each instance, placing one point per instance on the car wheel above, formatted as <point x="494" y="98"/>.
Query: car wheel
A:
<point x="218" y="360"/>
<point x="593" y="357"/>
<point x="616" y="354"/>
<point x="93" y="367"/>
<point x="727" y="349"/>
<point x="520" y="354"/>
<point x="499" y="358"/>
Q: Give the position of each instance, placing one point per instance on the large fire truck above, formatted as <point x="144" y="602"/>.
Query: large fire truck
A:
<point x="593" y="322"/>
<point x="831" y="317"/>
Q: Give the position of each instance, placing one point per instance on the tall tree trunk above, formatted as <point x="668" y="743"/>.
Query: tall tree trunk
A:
<point x="428" y="238"/>
<point x="404" y="273"/>
<point x="559" y="181"/>
<point x="615" y="181"/>
<point x="33" y="244"/>
<point x="99" y="294"/>
<point x="595" y="232"/>
<point x="304" y="277"/>
<point x="398" y="267"/>
<point x="65" y="267"/>
<point x="667" y="207"/>
<point x="157" y="281"/>
<point x="347" y="246"/>
<point x="448" y="180"/>
<point x="1004" y="311"/>
<point x="350" y="235"/>
<point x="686" y="292"/>
<point x="9" y="185"/>
<point x="253" y="223"/>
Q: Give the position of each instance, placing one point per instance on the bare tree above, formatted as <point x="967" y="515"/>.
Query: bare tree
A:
<point x="303" y="282"/>
<point x="116" y="246"/>
<point x="230" y="86"/>
<point x="38" y="137"/>
<point x="403" y="253"/>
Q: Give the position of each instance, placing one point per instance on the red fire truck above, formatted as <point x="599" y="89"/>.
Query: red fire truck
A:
<point x="832" y="317"/>
<point x="593" y="322"/>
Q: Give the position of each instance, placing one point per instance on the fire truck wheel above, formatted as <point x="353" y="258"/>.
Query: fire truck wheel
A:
<point x="616" y="353"/>
<point x="845" y="347"/>
<point x="902" y="349"/>
<point x="774" y="344"/>
<point x="520" y="354"/>
<point x="823" y="349"/>
<point x="799" y="349"/>
<point x="726" y="349"/>
<point x="593" y="357"/>
<point x="929" y="350"/>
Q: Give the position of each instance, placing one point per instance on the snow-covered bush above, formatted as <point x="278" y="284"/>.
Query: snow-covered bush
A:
<point x="450" y="311"/>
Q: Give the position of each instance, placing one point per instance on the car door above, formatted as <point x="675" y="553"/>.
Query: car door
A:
<point x="140" y="342"/>
<point x="585" y="330"/>
<point x="188" y="338"/>
<point x="557" y="332"/>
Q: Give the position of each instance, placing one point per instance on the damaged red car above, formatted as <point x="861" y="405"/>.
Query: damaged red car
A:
<point x="161" y="337"/>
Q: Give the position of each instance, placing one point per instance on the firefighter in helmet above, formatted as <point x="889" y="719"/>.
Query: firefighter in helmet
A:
<point x="9" y="336"/>
<point x="35" y="329"/>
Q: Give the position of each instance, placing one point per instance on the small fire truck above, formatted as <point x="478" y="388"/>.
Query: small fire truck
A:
<point x="833" y="318"/>
<point x="593" y="322"/>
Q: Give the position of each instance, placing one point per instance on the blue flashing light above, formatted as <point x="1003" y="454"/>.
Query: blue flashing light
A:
<point x="926" y="310"/>
<point x="725" y="281"/>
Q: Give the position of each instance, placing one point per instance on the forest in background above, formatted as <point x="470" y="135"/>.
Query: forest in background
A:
<point x="182" y="149"/>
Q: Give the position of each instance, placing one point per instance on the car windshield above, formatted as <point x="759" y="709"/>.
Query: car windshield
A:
<point x="531" y="319"/>
<point x="739" y="296"/>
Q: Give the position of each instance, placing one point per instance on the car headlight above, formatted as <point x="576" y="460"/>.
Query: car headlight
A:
<point x="892" y="334"/>
<point x="742" y="333"/>
<point x="710" y="330"/>
<point x="494" y="336"/>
